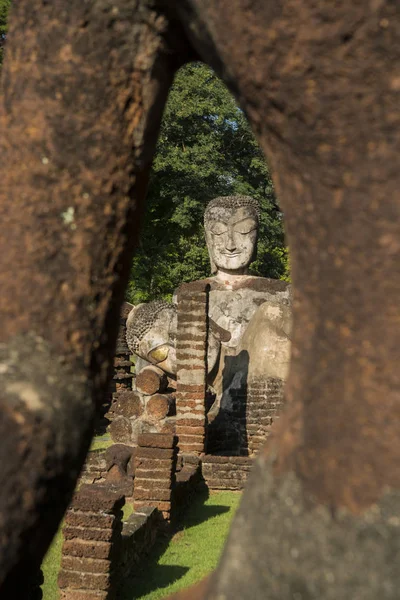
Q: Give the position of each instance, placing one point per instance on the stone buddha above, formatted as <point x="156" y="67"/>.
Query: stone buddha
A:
<point x="231" y="226"/>
<point x="255" y="310"/>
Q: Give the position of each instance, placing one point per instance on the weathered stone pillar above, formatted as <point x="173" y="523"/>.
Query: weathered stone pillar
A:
<point x="191" y="354"/>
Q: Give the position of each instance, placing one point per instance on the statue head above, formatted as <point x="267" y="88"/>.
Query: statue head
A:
<point x="151" y="333"/>
<point x="231" y="226"/>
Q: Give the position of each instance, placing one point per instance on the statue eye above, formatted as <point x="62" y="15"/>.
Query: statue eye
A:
<point x="159" y="354"/>
<point x="219" y="228"/>
<point x="245" y="226"/>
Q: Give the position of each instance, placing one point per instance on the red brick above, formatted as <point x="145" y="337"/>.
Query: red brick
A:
<point x="85" y="565"/>
<point x="183" y="396"/>
<point x="89" y="549"/>
<point x="185" y="430"/>
<point x="77" y="518"/>
<point x="191" y="421"/>
<point x="157" y="464"/>
<point x="143" y="473"/>
<point x="190" y="388"/>
<point x="154" y="494"/>
<point x="196" y="406"/>
<point x="189" y="439"/>
<point x="153" y="484"/>
<point x="189" y="337"/>
<point x="156" y="440"/>
<point x="86" y="533"/>
<point x="88" y="581"/>
<point x="197" y="448"/>
<point x="93" y="498"/>
<point x="154" y="453"/>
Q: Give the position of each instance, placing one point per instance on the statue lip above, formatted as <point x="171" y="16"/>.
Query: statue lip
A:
<point x="231" y="253"/>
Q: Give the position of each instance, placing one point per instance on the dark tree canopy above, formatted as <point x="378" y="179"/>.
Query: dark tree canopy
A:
<point x="205" y="149"/>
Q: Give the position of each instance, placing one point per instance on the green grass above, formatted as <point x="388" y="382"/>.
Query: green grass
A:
<point x="174" y="563"/>
<point x="50" y="567"/>
<point x="101" y="442"/>
<point x="192" y="553"/>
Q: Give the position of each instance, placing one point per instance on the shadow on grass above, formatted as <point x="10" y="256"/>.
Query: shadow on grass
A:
<point x="149" y="575"/>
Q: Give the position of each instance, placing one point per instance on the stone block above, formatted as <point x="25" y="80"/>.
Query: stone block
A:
<point x="85" y="533"/>
<point x="196" y="448"/>
<point x="153" y="484"/>
<point x="128" y="404"/>
<point x="151" y="380"/>
<point x="94" y="498"/>
<point x="168" y="425"/>
<point x="88" y="581"/>
<point x="87" y="549"/>
<point x="121" y="430"/>
<point x="160" y="453"/>
<point x="156" y="440"/>
<point x="158" y="464"/>
<point x="77" y="518"/>
<point x="151" y="494"/>
<point x="159" y="474"/>
<point x="191" y="388"/>
<point x="195" y="420"/>
<point x="186" y="430"/>
<point x="185" y="440"/>
<point x="225" y="484"/>
<point x="85" y="565"/>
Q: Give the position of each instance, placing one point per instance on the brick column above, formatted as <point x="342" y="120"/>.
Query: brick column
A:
<point x="122" y="380"/>
<point x="155" y="465"/>
<point x="92" y="536"/>
<point x="264" y="403"/>
<point x="191" y="353"/>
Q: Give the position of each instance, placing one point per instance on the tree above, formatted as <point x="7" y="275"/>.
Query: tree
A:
<point x="205" y="149"/>
<point x="4" y="8"/>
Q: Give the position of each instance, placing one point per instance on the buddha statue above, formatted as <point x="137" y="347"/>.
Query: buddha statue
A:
<point x="231" y="225"/>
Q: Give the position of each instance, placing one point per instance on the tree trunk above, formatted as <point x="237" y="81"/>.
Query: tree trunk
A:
<point x="84" y="86"/>
<point x="320" y="84"/>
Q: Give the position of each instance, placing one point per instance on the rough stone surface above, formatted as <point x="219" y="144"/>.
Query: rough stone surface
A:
<point x="310" y="551"/>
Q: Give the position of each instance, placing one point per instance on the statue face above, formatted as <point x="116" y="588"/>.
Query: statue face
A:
<point x="231" y="238"/>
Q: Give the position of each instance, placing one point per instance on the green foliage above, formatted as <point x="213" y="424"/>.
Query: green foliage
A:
<point x="4" y="8"/>
<point x="205" y="149"/>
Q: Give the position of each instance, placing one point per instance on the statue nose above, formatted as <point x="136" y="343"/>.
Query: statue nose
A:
<point x="230" y="243"/>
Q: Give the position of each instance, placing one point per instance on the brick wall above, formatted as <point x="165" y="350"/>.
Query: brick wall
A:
<point x="191" y="351"/>
<point x="264" y="403"/>
<point x="225" y="472"/>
